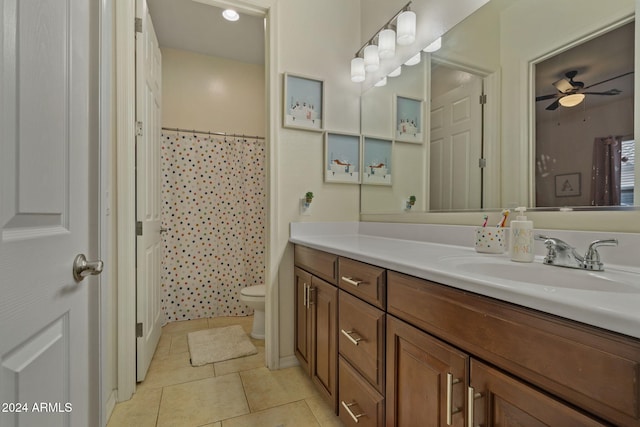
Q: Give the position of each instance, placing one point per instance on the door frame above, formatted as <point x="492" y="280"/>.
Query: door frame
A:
<point x="125" y="189"/>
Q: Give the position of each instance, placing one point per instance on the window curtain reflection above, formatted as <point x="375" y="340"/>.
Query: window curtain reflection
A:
<point x="606" y="171"/>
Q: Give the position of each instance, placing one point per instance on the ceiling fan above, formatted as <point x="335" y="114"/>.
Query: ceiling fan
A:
<point x="571" y="92"/>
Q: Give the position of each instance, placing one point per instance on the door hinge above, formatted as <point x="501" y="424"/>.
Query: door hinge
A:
<point x="138" y="228"/>
<point x="138" y="128"/>
<point x="139" y="330"/>
<point x="138" y="25"/>
<point x="482" y="163"/>
<point x="483" y="99"/>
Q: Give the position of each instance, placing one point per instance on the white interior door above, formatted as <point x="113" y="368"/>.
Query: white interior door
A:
<point x="456" y="147"/>
<point x="148" y="187"/>
<point x="48" y="320"/>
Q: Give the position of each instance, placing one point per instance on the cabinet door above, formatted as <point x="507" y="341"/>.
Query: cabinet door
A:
<point x="302" y="319"/>
<point x="323" y="300"/>
<point x="500" y="400"/>
<point x="426" y="378"/>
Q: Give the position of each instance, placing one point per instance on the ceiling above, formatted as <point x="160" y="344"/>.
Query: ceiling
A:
<point x="601" y="58"/>
<point x="197" y="27"/>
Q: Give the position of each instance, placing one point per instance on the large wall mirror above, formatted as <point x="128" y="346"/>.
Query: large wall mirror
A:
<point x="526" y="103"/>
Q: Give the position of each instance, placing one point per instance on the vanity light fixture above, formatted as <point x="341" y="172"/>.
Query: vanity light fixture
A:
<point x="371" y="58"/>
<point x="230" y="15"/>
<point x="415" y="59"/>
<point x="396" y="72"/>
<point x="401" y="28"/>
<point x="381" y="82"/>
<point x="571" y="100"/>
<point x="406" y="27"/>
<point x="434" y="46"/>
<point x="387" y="43"/>
<point x="357" y="70"/>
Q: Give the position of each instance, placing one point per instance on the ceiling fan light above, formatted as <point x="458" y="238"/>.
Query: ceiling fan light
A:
<point x="571" y="100"/>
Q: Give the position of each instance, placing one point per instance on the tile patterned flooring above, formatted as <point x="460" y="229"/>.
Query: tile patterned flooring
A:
<point x="234" y="393"/>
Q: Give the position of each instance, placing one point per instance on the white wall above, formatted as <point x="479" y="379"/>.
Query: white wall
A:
<point x="212" y="94"/>
<point x="315" y="39"/>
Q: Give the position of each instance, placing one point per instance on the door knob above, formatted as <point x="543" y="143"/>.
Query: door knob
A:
<point x="83" y="268"/>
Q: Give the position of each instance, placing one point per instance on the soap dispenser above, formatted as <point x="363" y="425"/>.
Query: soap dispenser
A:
<point x="521" y="238"/>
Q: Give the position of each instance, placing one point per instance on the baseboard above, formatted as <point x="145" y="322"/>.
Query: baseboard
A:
<point x="288" y="362"/>
<point x="108" y="407"/>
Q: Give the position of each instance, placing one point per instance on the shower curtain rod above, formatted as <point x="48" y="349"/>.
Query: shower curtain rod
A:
<point x="232" y="135"/>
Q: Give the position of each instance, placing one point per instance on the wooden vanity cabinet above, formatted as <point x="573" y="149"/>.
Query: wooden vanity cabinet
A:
<point x="316" y="319"/>
<point x="593" y="370"/>
<point x="426" y="379"/>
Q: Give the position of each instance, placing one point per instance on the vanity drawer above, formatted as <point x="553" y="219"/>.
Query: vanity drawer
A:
<point x="363" y="280"/>
<point x="589" y="367"/>
<point x="361" y="337"/>
<point x="321" y="264"/>
<point x="360" y="404"/>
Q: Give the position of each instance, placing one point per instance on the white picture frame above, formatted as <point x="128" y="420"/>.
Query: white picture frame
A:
<point x="303" y="103"/>
<point x="408" y="119"/>
<point x="342" y="155"/>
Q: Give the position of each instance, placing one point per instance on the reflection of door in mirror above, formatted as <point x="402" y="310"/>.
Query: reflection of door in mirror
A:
<point x="455" y="176"/>
<point x="584" y="122"/>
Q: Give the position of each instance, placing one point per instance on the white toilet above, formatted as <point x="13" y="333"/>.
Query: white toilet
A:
<point x="253" y="296"/>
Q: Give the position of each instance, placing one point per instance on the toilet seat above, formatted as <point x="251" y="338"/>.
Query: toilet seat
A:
<point x="254" y="291"/>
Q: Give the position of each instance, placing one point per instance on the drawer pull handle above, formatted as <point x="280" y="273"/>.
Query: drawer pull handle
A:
<point x="471" y="396"/>
<point x="305" y="294"/>
<point x="309" y="302"/>
<point x="351" y="281"/>
<point x="450" y="410"/>
<point x="348" y="406"/>
<point x="347" y="334"/>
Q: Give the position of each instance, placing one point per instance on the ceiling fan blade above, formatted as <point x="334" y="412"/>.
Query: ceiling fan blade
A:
<point x="608" y="80"/>
<point x="543" y="97"/>
<point x="554" y="105"/>
<point x="609" y="92"/>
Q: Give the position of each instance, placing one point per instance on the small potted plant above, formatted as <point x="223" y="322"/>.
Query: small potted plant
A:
<point x="412" y="200"/>
<point x="308" y="197"/>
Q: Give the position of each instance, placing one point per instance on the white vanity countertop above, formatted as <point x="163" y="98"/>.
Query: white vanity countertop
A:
<point x="418" y="250"/>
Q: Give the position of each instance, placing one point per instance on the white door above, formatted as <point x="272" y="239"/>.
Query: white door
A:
<point x="148" y="187"/>
<point x="456" y="147"/>
<point x="48" y="320"/>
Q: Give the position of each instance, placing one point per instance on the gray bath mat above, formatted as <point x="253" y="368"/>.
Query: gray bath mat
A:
<point x="218" y="344"/>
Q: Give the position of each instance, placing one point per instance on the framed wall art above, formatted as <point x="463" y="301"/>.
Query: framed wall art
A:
<point x="376" y="161"/>
<point x="408" y="119"/>
<point x="568" y="184"/>
<point x="342" y="158"/>
<point x="303" y="103"/>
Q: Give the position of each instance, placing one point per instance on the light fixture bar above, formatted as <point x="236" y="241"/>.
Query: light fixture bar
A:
<point x="387" y="25"/>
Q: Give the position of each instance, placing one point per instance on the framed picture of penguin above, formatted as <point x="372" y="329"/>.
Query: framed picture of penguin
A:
<point x="303" y="103"/>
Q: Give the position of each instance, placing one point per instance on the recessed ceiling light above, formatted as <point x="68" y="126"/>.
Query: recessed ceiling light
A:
<point x="230" y="15"/>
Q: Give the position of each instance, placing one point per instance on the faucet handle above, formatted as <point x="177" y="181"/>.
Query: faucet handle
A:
<point x="592" y="258"/>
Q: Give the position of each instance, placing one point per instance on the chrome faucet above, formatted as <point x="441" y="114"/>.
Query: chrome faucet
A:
<point x="562" y="254"/>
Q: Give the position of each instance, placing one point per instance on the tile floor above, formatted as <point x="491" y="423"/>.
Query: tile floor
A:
<point x="233" y="393"/>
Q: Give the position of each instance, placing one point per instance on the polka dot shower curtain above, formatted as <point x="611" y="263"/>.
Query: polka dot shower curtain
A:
<point x="213" y="205"/>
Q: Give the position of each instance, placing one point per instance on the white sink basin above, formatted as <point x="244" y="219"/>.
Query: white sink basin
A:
<point x="536" y="273"/>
